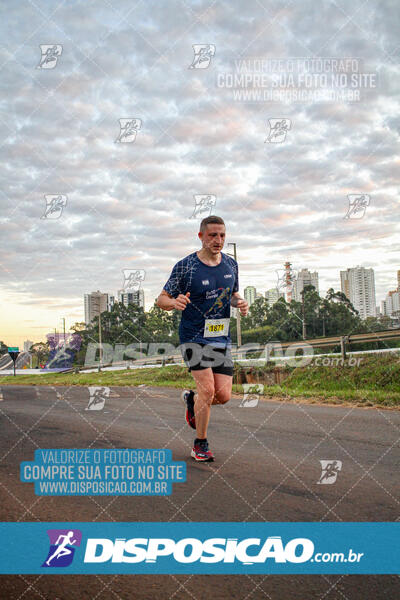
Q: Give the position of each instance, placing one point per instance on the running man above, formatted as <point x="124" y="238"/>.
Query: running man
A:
<point x="204" y="285"/>
<point x="62" y="549"/>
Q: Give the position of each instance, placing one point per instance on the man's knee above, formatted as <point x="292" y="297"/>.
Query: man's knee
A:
<point x="206" y="393"/>
<point x="222" y="396"/>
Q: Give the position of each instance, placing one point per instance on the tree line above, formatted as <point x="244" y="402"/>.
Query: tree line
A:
<point x="323" y="317"/>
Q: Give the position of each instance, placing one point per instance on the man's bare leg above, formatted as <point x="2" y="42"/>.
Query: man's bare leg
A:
<point x="222" y="388"/>
<point x="203" y="399"/>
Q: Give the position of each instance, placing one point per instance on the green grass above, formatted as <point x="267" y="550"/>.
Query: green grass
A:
<point x="376" y="382"/>
<point x="359" y="397"/>
<point x="173" y="376"/>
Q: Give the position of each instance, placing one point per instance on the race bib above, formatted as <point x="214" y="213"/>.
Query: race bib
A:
<point x="216" y="327"/>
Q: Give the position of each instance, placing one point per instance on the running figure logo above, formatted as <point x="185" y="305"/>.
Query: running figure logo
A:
<point x="278" y="130"/>
<point x="203" y="54"/>
<point x="251" y="394"/>
<point x="98" y="396"/>
<point x="55" y="204"/>
<point x="330" y="470"/>
<point x="62" y="350"/>
<point x="128" y="130"/>
<point x="133" y="279"/>
<point x="219" y="301"/>
<point x="50" y="55"/>
<point x="285" y="280"/>
<point x="203" y="203"/>
<point x="62" y="547"/>
<point x="357" y="206"/>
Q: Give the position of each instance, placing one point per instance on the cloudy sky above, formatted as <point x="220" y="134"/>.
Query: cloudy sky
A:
<point x="129" y="204"/>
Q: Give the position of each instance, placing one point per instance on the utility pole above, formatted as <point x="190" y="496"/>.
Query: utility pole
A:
<point x="140" y="336"/>
<point x="64" y="339"/>
<point x="56" y="341"/>
<point x="238" y="326"/>
<point x="100" y="355"/>
<point x="343" y="340"/>
<point x="304" y="316"/>
<point x="100" y="345"/>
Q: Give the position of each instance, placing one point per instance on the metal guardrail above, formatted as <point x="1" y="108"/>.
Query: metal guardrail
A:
<point x="377" y="336"/>
<point x="340" y="340"/>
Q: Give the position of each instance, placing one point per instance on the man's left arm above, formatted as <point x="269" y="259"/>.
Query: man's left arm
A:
<point x="234" y="299"/>
<point x="238" y="302"/>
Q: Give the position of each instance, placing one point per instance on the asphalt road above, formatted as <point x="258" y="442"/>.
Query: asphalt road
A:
<point x="266" y="469"/>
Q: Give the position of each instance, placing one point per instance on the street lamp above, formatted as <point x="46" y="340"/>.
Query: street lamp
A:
<point x="100" y="344"/>
<point x="64" y="340"/>
<point x="238" y="327"/>
<point x="139" y="323"/>
<point x="303" y="310"/>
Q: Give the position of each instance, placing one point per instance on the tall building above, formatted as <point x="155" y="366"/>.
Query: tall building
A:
<point x="27" y="345"/>
<point x="358" y="284"/>
<point x="345" y="284"/>
<point x="304" y="277"/>
<point x="390" y="306"/>
<point x="273" y="296"/>
<point x="127" y="298"/>
<point x="250" y="294"/>
<point x="95" y="303"/>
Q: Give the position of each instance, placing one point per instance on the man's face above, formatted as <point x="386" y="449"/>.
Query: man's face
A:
<point x="213" y="237"/>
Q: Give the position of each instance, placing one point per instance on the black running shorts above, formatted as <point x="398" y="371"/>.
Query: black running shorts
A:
<point x="206" y="356"/>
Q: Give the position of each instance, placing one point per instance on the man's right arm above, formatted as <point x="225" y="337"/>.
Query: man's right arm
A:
<point x="166" y="301"/>
<point x="170" y="296"/>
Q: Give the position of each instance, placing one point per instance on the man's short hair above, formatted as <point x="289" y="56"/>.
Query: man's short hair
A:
<point x="209" y="220"/>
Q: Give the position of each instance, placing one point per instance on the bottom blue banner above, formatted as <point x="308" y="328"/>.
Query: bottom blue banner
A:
<point x="213" y="548"/>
